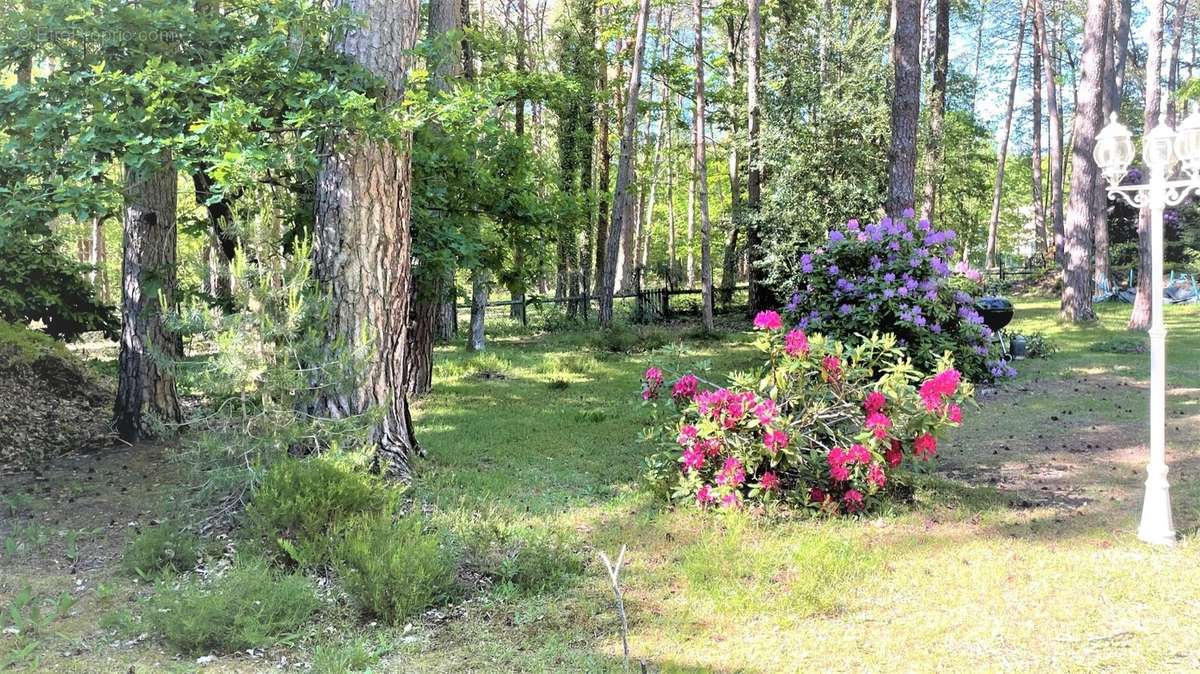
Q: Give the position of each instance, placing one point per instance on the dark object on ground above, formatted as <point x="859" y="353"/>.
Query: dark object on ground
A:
<point x="49" y="403"/>
<point x="997" y="312"/>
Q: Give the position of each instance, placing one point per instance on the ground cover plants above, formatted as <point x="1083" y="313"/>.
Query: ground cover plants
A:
<point x="1007" y="535"/>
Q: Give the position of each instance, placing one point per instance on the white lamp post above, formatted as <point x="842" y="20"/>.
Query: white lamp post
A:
<point x="1162" y="149"/>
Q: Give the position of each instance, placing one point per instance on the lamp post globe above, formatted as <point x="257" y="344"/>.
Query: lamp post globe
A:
<point x="1158" y="148"/>
<point x="1187" y="142"/>
<point x="1114" y="150"/>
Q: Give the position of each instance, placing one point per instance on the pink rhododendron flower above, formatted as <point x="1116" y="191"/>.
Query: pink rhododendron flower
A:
<point x="654" y="376"/>
<point x="705" y="496"/>
<point x="795" y="343"/>
<point x="831" y="367"/>
<point x="839" y="472"/>
<point x="875" y="475"/>
<point x="768" y="320"/>
<point x="732" y="473"/>
<point x="765" y="411"/>
<point x="711" y="446"/>
<point x="731" y="500"/>
<point x="859" y="454"/>
<point x="775" y="440"/>
<point x="687" y="435"/>
<point x="878" y="423"/>
<point x="874" y="402"/>
<point x="894" y="455"/>
<point x="769" y="481"/>
<point x="853" y="499"/>
<point x="816" y="495"/>
<point x="685" y="387"/>
<point x="925" y="446"/>
<point x="693" y="458"/>
<point x="954" y="413"/>
<point x="938" y="387"/>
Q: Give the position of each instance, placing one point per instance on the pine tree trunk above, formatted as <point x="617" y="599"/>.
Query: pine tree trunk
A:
<point x="937" y="108"/>
<point x="1039" y="210"/>
<point x="1139" y="319"/>
<point x="672" y="253"/>
<point x="601" y="241"/>
<point x="1089" y="117"/>
<point x="480" y="282"/>
<point x="97" y="258"/>
<point x="362" y="249"/>
<point x="146" y="398"/>
<point x="730" y="261"/>
<point x="222" y="238"/>
<point x="1101" y="270"/>
<point x="701" y="176"/>
<point x="1054" y="109"/>
<point x="760" y="296"/>
<point x="622" y="208"/>
<point x="691" y="219"/>
<point x="998" y="186"/>
<point x="1177" y="25"/>
<point x="906" y="103"/>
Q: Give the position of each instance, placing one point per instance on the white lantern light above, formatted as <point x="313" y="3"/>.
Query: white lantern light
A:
<point x="1187" y="142"/>
<point x="1158" y="147"/>
<point x="1114" y="150"/>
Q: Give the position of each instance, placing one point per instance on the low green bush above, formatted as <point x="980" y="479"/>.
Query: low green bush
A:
<point x="526" y="560"/>
<point x="622" y="338"/>
<point x="162" y="548"/>
<point x="356" y="655"/>
<point x="300" y="502"/>
<point x="249" y="606"/>
<point x="391" y="567"/>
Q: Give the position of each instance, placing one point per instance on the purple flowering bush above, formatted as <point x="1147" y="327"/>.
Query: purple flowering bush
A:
<point x="896" y="276"/>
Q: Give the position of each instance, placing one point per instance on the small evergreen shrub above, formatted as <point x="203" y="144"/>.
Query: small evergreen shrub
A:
<point x="527" y="560"/>
<point x="623" y="338"/>
<point x="356" y="655"/>
<point x="300" y="503"/>
<point x="162" y="548"/>
<point x="391" y="567"/>
<point x="249" y="606"/>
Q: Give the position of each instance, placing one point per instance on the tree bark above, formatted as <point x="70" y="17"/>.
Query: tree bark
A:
<point x="362" y="249"/>
<point x="602" y="184"/>
<point x="937" y="108"/>
<point x="672" y="253"/>
<point x="1177" y="25"/>
<point x="1139" y="319"/>
<point x="622" y="201"/>
<point x="691" y="219"/>
<point x="701" y="176"/>
<point x="730" y="261"/>
<point x="480" y="282"/>
<point x="1089" y="117"/>
<point x="432" y="312"/>
<point x="1054" y="110"/>
<point x="146" y="398"/>
<point x="223" y="239"/>
<point x="1039" y="210"/>
<point x="998" y="186"/>
<point x="906" y="103"/>
<point x="760" y="296"/>
<point x="1101" y="270"/>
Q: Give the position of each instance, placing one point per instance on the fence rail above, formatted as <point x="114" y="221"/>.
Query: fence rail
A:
<point x="650" y="305"/>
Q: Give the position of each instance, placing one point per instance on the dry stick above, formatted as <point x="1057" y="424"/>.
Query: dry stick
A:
<point x="614" y="573"/>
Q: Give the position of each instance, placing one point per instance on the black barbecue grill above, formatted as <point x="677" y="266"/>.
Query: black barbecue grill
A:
<point x="997" y="312"/>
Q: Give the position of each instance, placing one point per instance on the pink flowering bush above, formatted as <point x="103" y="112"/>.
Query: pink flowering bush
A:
<point x="822" y="425"/>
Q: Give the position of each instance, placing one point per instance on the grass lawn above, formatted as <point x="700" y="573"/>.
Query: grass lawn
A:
<point x="1018" y="554"/>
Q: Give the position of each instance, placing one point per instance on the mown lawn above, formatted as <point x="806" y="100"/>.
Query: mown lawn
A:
<point x="1018" y="553"/>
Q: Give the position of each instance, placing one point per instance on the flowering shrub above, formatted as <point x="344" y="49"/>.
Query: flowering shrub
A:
<point x="895" y="276"/>
<point x="822" y="425"/>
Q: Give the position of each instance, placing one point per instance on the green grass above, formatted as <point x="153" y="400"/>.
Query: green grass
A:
<point x="1018" y="553"/>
